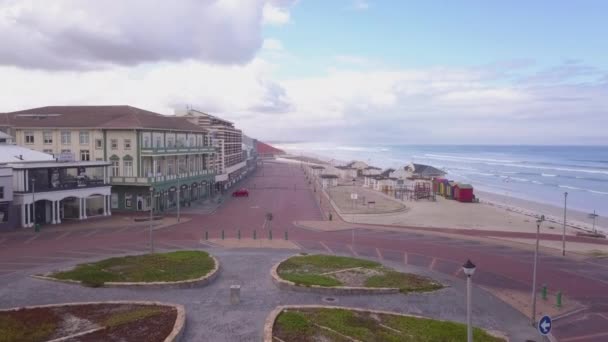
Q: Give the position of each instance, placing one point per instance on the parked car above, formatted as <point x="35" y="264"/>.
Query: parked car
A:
<point x="241" y="193"/>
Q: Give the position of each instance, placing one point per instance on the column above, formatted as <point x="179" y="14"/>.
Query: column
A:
<point x="109" y="205"/>
<point x="105" y="205"/>
<point x="30" y="215"/>
<point x="80" y="208"/>
<point x="84" y="206"/>
<point x="24" y="215"/>
<point x="53" y="214"/>
<point x="58" y="217"/>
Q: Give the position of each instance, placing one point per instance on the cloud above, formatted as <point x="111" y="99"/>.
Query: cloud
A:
<point x="90" y="34"/>
<point x="360" y="5"/>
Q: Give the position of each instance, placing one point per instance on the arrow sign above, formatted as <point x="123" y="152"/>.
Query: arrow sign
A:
<point x="544" y="325"/>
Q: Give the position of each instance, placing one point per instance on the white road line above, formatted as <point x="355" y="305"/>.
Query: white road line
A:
<point x="177" y="245"/>
<point x="327" y="248"/>
<point x="352" y="250"/>
<point x="297" y="244"/>
<point x="379" y="254"/>
<point x="31" y="239"/>
<point x="62" y="235"/>
<point x="405" y="258"/>
<point x="91" y="233"/>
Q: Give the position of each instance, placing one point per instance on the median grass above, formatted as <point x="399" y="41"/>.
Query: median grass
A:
<point x="331" y="271"/>
<point x="174" y="266"/>
<point x="335" y="325"/>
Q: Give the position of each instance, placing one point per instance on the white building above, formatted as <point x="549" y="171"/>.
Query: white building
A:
<point x="328" y="181"/>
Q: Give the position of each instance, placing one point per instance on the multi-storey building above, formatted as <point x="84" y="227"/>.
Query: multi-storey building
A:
<point x="149" y="152"/>
<point x="229" y="162"/>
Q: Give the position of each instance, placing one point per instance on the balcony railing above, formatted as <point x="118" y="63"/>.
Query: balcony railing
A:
<point x="152" y="179"/>
<point x="67" y="184"/>
<point x="175" y="149"/>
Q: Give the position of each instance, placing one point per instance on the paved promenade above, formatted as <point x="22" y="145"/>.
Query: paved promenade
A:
<point x="282" y="190"/>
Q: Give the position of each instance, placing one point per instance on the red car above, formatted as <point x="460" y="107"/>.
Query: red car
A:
<point x="241" y="193"/>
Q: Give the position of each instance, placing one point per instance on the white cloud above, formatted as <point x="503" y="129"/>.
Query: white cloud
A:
<point x="272" y="44"/>
<point x="360" y="5"/>
<point x="275" y="15"/>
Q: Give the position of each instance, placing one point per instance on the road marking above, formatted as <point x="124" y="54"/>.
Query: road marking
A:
<point x="432" y="266"/>
<point x="297" y="244"/>
<point x="567" y="314"/>
<point x="405" y="258"/>
<point x="379" y="254"/>
<point x="122" y="229"/>
<point x="602" y="315"/>
<point x="63" y="235"/>
<point x="31" y="239"/>
<point x="585" y="337"/>
<point x="352" y="250"/>
<point x="91" y="233"/>
<point x="176" y="245"/>
<point x="327" y="248"/>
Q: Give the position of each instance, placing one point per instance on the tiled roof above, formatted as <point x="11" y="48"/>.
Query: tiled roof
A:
<point x="422" y="169"/>
<point x="108" y="117"/>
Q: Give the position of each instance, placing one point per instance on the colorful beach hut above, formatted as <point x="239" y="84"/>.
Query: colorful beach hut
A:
<point x="463" y="192"/>
<point x="436" y="182"/>
<point x="449" y="189"/>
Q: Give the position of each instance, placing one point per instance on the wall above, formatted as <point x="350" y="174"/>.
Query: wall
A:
<point x="56" y="146"/>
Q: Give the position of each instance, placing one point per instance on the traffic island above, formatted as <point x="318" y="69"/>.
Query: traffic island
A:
<point x="339" y="275"/>
<point x="330" y="323"/>
<point x="94" y="321"/>
<point x="174" y="269"/>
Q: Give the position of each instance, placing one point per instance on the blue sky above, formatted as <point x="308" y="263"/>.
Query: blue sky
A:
<point x="407" y="72"/>
<point x="449" y="33"/>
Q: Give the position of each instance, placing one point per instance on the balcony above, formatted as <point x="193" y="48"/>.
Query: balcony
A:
<point x="68" y="183"/>
<point x="149" y="151"/>
<point x="158" y="179"/>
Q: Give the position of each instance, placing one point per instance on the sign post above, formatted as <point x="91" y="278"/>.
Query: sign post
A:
<point x="544" y="325"/>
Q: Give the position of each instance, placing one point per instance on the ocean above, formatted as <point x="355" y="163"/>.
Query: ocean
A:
<point x="535" y="173"/>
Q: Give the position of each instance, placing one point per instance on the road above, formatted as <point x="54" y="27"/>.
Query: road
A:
<point x="282" y="190"/>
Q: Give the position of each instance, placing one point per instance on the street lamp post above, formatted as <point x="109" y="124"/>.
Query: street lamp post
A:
<point x="150" y="223"/>
<point x="178" y="198"/>
<point x="538" y="223"/>
<point x="564" y="232"/>
<point x="469" y="270"/>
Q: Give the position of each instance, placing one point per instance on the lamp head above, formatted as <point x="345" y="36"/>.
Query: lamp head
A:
<point x="469" y="268"/>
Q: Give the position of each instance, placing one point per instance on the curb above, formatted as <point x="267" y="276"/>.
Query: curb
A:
<point x="175" y="335"/>
<point x="270" y="319"/>
<point x="202" y="281"/>
<point x="334" y="290"/>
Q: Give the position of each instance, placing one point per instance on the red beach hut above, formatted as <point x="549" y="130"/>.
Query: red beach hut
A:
<point x="463" y="192"/>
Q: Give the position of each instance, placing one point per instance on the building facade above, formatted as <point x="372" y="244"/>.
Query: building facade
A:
<point x="154" y="159"/>
<point x="229" y="162"/>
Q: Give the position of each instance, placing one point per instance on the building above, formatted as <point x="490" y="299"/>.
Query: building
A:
<point x="346" y="172"/>
<point x="148" y="152"/>
<point x="229" y="162"/>
<point x="328" y="180"/>
<point x="371" y="171"/>
<point x="267" y="151"/>
<point x="250" y="152"/>
<point x="463" y="192"/>
<point x="45" y="190"/>
<point x="424" y="171"/>
<point x="316" y="170"/>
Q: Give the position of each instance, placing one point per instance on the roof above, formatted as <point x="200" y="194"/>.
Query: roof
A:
<point x="263" y="148"/>
<point x="372" y="168"/>
<point x="18" y="154"/>
<point x="464" y="186"/>
<point x="58" y="164"/>
<point x="317" y="167"/>
<point x="387" y="172"/>
<point x="5" y="136"/>
<point x="329" y="176"/>
<point x="108" y="117"/>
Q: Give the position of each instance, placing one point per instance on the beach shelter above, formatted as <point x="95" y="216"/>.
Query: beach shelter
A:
<point x="463" y="192"/>
<point x="449" y="189"/>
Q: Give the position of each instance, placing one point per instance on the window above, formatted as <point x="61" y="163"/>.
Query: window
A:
<point x="128" y="168"/>
<point x="1" y="192"/>
<point x="158" y="142"/>
<point x="127" y="144"/>
<point x="98" y="144"/>
<point x="47" y="151"/>
<point x="84" y="138"/>
<point x="146" y="141"/>
<point x="114" y="200"/>
<point x="29" y="137"/>
<point x="67" y="150"/>
<point x="115" y="168"/>
<point x="128" y="200"/>
<point x="191" y="144"/>
<point x="170" y="142"/>
<point x="84" y="155"/>
<point x="47" y="137"/>
<point x="66" y="138"/>
<point x="114" y="144"/>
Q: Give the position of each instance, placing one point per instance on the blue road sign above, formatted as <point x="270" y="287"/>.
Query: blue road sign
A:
<point x="544" y="325"/>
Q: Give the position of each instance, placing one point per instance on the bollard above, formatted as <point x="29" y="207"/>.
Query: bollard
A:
<point x="559" y="299"/>
<point x="254" y="235"/>
<point x="544" y="292"/>
<point x="222" y="234"/>
<point x="270" y="234"/>
<point x="206" y="235"/>
<point x="235" y="294"/>
<point x="286" y="237"/>
<point x="238" y="234"/>
<point x="330" y="217"/>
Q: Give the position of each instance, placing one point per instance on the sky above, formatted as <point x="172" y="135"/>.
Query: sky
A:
<point x="352" y="71"/>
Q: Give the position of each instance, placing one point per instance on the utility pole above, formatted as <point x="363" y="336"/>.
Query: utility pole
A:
<point x="178" y="198"/>
<point x="150" y="223"/>
<point x="34" y="202"/>
<point x="564" y="232"/>
<point x="538" y="222"/>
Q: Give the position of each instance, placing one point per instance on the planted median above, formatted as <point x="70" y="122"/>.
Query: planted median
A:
<point x="352" y="274"/>
<point x="181" y="267"/>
